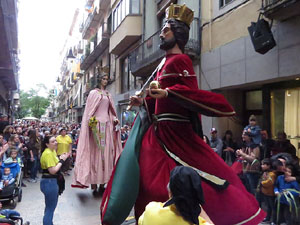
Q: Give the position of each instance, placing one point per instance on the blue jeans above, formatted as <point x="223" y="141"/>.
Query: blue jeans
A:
<point x="34" y="168"/>
<point x="253" y="179"/>
<point x="49" y="188"/>
<point x="8" y="213"/>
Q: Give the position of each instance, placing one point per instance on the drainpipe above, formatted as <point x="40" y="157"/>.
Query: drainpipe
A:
<point x="144" y="20"/>
<point x="200" y="42"/>
<point x="143" y="27"/>
<point x="210" y="25"/>
<point x="200" y="28"/>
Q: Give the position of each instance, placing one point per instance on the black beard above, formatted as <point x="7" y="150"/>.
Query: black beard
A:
<point x="166" y="45"/>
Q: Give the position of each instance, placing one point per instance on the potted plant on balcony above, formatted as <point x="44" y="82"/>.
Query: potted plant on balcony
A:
<point x="87" y="49"/>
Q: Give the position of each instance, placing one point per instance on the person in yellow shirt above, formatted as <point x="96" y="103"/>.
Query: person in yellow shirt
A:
<point x="64" y="145"/>
<point x="49" y="185"/>
<point x="184" y="205"/>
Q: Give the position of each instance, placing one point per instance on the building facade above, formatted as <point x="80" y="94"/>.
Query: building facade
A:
<point x="121" y="38"/>
<point x="268" y="85"/>
<point x="136" y="62"/>
<point x="9" y="84"/>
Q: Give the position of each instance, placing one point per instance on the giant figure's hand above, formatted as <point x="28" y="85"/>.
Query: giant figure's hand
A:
<point x="158" y="93"/>
<point x="116" y="122"/>
<point x="134" y="101"/>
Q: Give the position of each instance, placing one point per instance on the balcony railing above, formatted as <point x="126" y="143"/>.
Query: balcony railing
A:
<point x="281" y="9"/>
<point x="91" y="22"/>
<point x="148" y="53"/>
<point x="87" y="23"/>
<point x="102" y="41"/>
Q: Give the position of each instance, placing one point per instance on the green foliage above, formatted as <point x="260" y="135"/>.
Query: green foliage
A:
<point x="32" y="104"/>
<point x="87" y="49"/>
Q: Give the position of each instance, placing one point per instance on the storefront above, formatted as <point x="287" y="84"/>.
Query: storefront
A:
<point x="277" y="109"/>
<point x="285" y="114"/>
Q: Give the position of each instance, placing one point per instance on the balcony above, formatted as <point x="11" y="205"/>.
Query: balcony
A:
<point x="60" y="96"/>
<point x="128" y="32"/>
<point x="104" y="5"/>
<point x="9" y="45"/>
<point x="90" y="24"/>
<point x="162" y="5"/>
<point x="281" y="9"/>
<point x="146" y="56"/>
<point x="8" y="78"/>
<point x="103" y="42"/>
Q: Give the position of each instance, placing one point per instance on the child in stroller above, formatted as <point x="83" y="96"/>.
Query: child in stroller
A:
<point x="12" y="190"/>
<point x="10" y="217"/>
<point x="13" y="158"/>
<point x="7" y="178"/>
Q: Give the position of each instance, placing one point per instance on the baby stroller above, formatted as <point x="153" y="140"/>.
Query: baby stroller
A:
<point x="12" y="192"/>
<point x="13" y="220"/>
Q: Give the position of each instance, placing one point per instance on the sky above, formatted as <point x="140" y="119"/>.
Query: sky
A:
<point x="43" y="27"/>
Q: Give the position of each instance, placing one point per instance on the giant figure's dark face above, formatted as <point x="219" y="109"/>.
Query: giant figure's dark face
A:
<point x="167" y="38"/>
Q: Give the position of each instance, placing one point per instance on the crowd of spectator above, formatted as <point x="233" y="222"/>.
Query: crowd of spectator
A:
<point x="24" y="139"/>
<point x="268" y="168"/>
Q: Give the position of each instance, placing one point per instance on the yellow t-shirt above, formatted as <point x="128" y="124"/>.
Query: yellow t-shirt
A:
<point x="156" y="214"/>
<point x="63" y="144"/>
<point x="48" y="159"/>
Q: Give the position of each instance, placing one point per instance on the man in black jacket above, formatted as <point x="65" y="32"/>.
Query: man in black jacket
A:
<point x="283" y="145"/>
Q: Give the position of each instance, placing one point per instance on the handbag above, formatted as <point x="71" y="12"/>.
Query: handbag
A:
<point x="60" y="182"/>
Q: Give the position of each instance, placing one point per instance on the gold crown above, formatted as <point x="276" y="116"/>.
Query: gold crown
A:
<point x="181" y="13"/>
<point x="104" y="70"/>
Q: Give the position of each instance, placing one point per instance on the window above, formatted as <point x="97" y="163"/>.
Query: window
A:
<point x="254" y="100"/>
<point x="124" y="8"/>
<point x="112" y="67"/>
<point x="224" y="2"/>
<point x="115" y="23"/>
<point x="128" y="80"/>
<point x="125" y="75"/>
<point x="162" y="20"/>
<point x="99" y="34"/>
<point x="285" y="114"/>
<point x="135" y="6"/>
<point x="254" y="106"/>
<point x="80" y="96"/>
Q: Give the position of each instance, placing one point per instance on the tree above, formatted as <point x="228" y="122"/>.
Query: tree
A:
<point x="32" y="104"/>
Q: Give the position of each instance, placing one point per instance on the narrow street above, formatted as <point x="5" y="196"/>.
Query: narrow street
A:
<point x="75" y="206"/>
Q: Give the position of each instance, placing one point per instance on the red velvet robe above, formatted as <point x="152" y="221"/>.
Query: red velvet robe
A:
<point x="234" y="205"/>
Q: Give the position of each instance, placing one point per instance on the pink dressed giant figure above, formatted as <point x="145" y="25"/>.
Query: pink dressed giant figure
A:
<point x="99" y="143"/>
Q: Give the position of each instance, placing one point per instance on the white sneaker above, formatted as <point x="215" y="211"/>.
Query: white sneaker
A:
<point x="32" y="180"/>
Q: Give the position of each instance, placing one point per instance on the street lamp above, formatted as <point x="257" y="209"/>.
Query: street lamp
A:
<point x="70" y="55"/>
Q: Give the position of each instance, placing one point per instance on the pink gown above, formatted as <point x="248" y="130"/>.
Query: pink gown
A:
<point x="90" y="166"/>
